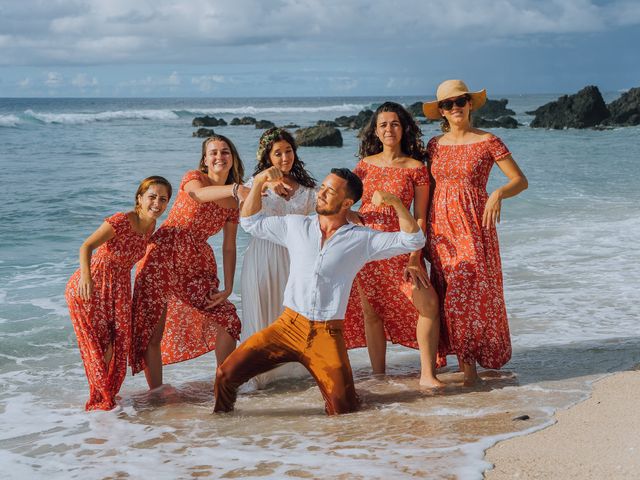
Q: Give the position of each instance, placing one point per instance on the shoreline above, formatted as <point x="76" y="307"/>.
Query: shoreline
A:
<point x="593" y="439"/>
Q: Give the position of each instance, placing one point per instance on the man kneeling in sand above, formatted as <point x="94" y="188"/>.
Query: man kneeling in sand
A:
<point x="326" y="252"/>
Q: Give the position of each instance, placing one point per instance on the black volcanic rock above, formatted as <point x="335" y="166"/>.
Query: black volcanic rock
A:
<point x="502" y="122"/>
<point x="203" y="133"/>
<point x="582" y="110"/>
<point x="319" y="136"/>
<point x="208" y="121"/>
<point x="327" y="123"/>
<point x="243" y="121"/>
<point x="625" y="111"/>
<point x="494" y="109"/>
<point x="264" y="124"/>
<point x="415" y="109"/>
<point x="355" y="122"/>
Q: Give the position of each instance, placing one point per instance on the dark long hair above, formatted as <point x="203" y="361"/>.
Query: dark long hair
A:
<point x="268" y="138"/>
<point x="411" y="142"/>
<point x="237" y="170"/>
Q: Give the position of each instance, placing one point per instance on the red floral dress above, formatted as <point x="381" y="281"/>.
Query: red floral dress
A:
<point x="382" y="280"/>
<point x="465" y="257"/>
<point x="178" y="272"/>
<point x="106" y="318"/>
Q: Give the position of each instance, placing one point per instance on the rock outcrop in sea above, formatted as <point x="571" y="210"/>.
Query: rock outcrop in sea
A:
<point x="243" y="121"/>
<point x="494" y="109"/>
<point x="208" y="121"/>
<point x="584" y="109"/>
<point x="203" y="133"/>
<point x="319" y="136"/>
<point x="625" y="111"/>
<point x="326" y="123"/>
<point x="501" y="122"/>
<point x="415" y="109"/>
<point x="264" y="124"/>
<point x="494" y="114"/>
<point x="355" y="122"/>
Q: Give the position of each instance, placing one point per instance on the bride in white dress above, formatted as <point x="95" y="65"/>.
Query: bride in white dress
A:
<point x="265" y="269"/>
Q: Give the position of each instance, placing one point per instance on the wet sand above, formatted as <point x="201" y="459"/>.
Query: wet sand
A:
<point x="595" y="439"/>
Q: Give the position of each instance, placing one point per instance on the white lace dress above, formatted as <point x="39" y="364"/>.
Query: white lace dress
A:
<point x="265" y="271"/>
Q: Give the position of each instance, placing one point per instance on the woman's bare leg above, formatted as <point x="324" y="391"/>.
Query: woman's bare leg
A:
<point x="153" y="355"/>
<point x="375" y="335"/>
<point x="427" y="332"/>
<point x="225" y="344"/>
<point x="108" y="354"/>
<point x="470" y="374"/>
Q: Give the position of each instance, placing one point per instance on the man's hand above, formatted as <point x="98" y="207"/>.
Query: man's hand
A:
<point x="271" y="174"/>
<point x="381" y="198"/>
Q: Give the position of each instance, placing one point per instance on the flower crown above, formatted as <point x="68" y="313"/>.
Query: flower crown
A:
<point x="267" y="139"/>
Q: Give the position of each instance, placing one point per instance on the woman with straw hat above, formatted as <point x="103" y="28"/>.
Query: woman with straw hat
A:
<point x="462" y="238"/>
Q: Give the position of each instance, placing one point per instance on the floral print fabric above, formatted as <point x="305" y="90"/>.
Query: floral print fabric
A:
<point x="382" y="280"/>
<point x="465" y="257"/>
<point x="178" y="271"/>
<point x="106" y="319"/>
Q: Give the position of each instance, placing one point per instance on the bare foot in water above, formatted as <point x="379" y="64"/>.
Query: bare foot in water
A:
<point x="431" y="382"/>
<point x="471" y="378"/>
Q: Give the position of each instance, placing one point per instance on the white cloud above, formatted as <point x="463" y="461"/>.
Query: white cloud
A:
<point x="174" y="79"/>
<point x="82" y="80"/>
<point x="208" y="83"/>
<point x="149" y="83"/>
<point x="24" y="83"/>
<point x="626" y="13"/>
<point x="343" y="84"/>
<point x="54" y="79"/>
<point x="95" y="31"/>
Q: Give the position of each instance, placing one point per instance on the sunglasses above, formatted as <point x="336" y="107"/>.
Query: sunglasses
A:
<point x="458" y="102"/>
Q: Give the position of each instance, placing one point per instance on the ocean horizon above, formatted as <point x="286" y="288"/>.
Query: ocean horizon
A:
<point x="571" y="265"/>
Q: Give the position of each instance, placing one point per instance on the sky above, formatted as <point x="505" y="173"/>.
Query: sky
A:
<point x="265" y="48"/>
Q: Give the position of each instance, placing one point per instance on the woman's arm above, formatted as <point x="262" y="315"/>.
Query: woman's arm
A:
<point x="229" y="232"/>
<point x="211" y="193"/>
<point x="516" y="184"/>
<point x="104" y="233"/>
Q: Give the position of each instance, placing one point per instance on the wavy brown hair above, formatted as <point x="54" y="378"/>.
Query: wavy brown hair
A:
<point x="298" y="172"/>
<point x="411" y="142"/>
<point x="237" y="170"/>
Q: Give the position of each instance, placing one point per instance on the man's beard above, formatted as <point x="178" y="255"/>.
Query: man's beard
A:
<point x="326" y="211"/>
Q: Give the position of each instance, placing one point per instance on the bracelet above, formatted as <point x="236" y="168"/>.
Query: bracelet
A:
<point x="234" y="191"/>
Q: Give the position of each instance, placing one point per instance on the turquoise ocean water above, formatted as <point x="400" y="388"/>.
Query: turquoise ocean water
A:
<point x="571" y="261"/>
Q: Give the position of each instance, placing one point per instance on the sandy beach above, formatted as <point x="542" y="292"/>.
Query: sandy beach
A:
<point x="595" y="439"/>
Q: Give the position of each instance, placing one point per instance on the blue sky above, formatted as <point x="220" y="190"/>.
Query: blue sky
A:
<point x="105" y="48"/>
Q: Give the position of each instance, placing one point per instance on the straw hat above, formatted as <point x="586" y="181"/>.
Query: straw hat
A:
<point x="452" y="89"/>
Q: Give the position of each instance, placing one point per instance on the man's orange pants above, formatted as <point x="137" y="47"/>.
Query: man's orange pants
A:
<point x="318" y="345"/>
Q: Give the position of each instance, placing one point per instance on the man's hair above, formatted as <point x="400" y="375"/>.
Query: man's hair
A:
<point x="354" y="184"/>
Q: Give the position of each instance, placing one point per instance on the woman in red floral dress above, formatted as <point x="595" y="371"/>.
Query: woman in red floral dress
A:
<point x="179" y="312"/>
<point x="462" y="241"/>
<point x="99" y="292"/>
<point x="392" y="299"/>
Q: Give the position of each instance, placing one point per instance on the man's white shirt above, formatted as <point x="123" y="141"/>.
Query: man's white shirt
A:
<point x="321" y="276"/>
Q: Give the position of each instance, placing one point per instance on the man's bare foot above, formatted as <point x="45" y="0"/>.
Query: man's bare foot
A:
<point x="431" y="382"/>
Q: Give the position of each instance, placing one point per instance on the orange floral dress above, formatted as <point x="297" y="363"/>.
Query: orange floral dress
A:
<point x="465" y="257"/>
<point x="177" y="273"/>
<point x="382" y="280"/>
<point x="106" y="319"/>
